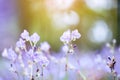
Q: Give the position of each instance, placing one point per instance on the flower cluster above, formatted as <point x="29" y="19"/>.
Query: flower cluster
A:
<point x="112" y="60"/>
<point x="68" y="37"/>
<point x="29" y="60"/>
<point x="111" y="63"/>
<point x="27" y="56"/>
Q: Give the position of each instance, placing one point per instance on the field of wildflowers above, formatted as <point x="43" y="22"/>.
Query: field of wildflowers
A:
<point x="28" y="60"/>
<point x="59" y="40"/>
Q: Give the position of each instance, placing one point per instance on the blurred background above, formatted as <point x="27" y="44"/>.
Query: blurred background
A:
<point x="97" y="21"/>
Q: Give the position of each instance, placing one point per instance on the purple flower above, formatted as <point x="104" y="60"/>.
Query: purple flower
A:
<point x="37" y="57"/>
<point x="20" y="43"/>
<point x="43" y="61"/>
<point x="4" y="53"/>
<point x="68" y="49"/>
<point x="75" y="35"/>
<point x="66" y="37"/>
<point x="35" y="38"/>
<point x="45" y="46"/>
<point x="10" y="54"/>
<point x="25" y="35"/>
<point x="30" y="53"/>
<point x="69" y="36"/>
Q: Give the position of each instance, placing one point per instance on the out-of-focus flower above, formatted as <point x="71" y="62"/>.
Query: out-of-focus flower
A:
<point x="4" y="53"/>
<point x="114" y="41"/>
<point x="45" y="46"/>
<point x="111" y="46"/>
<point x="38" y="58"/>
<point x="86" y="62"/>
<point x="27" y="58"/>
<point x="68" y="49"/>
<point x="43" y="61"/>
<point x="25" y="35"/>
<point x="108" y="45"/>
<point x="66" y="37"/>
<point x="101" y="5"/>
<point x="112" y="54"/>
<point x="69" y="36"/>
<point x="100" y="32"/>
<point x="30" y="53"/>
<point x="75" y="35"/>
<point x="10" y="54"/>
<point x="65" y="19"/>
<point x="35" y="38"/>
<point x="59" y="4"/>
<point x="111" y="63"/>
<point x="100" y="63"/>
<point x="65" y="48"/>
<point x="20" y="43"/>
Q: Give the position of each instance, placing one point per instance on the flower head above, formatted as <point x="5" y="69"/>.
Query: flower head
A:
<point x="4" y="53"/>
<point x="75" y="35"/>
<point x="10" y="54"/>
<point x="69" y="36"/>
<point x="30" y="53"/>
<point x="43" y="61"/>
<point x="25" y="35"/>
<point x="111" y="63"/>
<point x="66" y="37"/>
<point x="20" y="43"/>
<point x="38" y="57"/>
<point x="45" y="46"/>
<point x="35" y="38"/>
